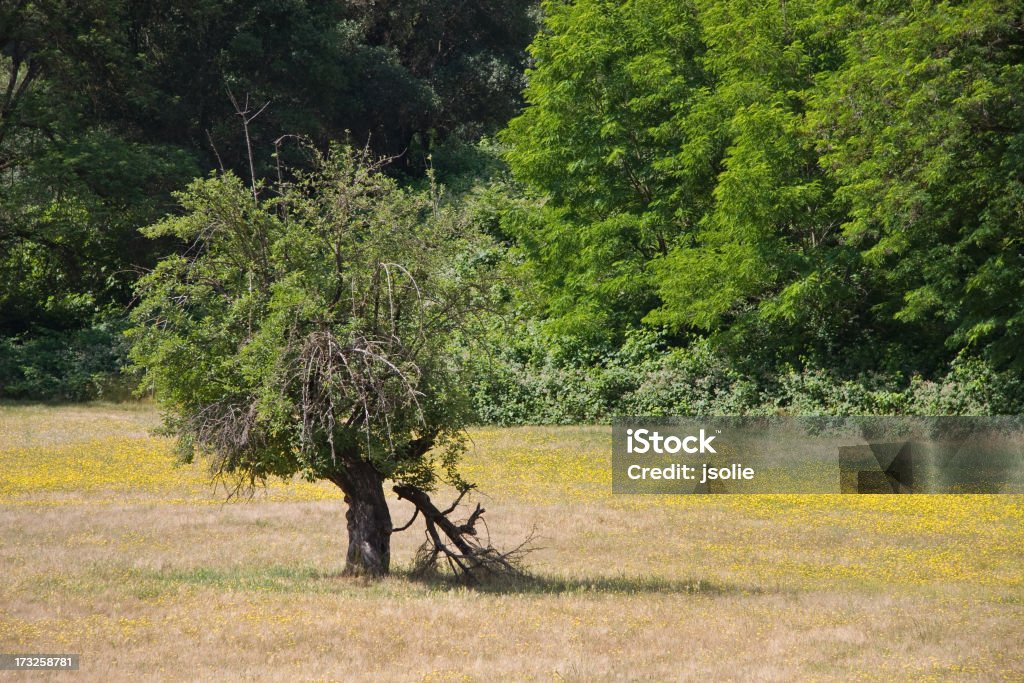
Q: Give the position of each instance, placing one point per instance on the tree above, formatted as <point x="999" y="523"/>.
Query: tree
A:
<point x="764" y="267"/>
<point x="813" y="182"/>
<point x="923" y="127"/>
<point x="310" y="332"/>
<point x="76" y="181"/>
<point x="610" y="93"/>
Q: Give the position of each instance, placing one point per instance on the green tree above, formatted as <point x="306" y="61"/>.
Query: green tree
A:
<point x="923" y="128"/>
<point x="766" y="269"/>
<point x="311" y="333"/>
<point x="811" y="182"/>
<point x="612" y="90"/>
<point x="74" y="185"/>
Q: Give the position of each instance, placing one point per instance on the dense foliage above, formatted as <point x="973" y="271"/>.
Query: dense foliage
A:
<point x="703" y="205"/>
<point x="312" y="326"/>
<point x="533" y="380"/>
<point x="817" y="183"/>
<point x="107" y="106"/>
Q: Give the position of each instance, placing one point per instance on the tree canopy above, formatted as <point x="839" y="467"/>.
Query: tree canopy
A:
<point x="310" y="332"/>
<point x="817" y="180"/>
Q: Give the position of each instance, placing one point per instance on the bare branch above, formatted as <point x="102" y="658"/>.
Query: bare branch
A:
<point x="220" y="162"/>
<point x="458" y="500"/>
<point x="467" y="556"/>
<point x="248" y="116"/>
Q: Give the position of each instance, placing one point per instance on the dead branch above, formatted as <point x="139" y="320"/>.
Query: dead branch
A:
<point x="355" y="377"/>
<point x="213" y="146"/>
<point x="451" y="508"/>
<point x="247" y="115"/>
<point x="468" y="554"/>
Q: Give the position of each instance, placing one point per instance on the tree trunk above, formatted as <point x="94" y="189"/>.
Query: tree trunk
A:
<point x="369" y="520"/>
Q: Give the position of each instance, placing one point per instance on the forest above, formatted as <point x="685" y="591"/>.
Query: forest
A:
<point x="680" y="206"/>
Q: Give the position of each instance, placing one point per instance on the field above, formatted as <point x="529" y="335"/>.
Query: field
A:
<point x="109" y="550"/>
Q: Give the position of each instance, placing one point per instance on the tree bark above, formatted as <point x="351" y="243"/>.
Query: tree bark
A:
<point x="369" y="520"/>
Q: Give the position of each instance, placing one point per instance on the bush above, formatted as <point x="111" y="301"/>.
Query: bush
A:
<point x="971" y="387"/>
<point x="690" y="381"/>
<point x="532" y="380"/>
<point x="64" y="365"/>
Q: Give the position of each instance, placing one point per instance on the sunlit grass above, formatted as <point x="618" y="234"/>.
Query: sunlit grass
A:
<point x="109" y="548"/>
<point x="58" y="456"/>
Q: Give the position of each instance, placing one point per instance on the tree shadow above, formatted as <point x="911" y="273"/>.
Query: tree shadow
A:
<point x="539" y="584"/>
<point x="292" y="579"/>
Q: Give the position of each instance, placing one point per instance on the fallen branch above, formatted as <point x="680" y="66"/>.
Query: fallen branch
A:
<point x="468" y="554"/>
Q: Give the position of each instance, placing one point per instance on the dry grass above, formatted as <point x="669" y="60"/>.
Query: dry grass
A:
<point x="108" y="550"/>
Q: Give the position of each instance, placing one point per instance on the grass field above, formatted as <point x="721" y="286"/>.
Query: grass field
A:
<point x="108" y="550"/>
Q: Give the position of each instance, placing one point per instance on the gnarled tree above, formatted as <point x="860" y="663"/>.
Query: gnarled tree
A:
<point x="307" y="328"/>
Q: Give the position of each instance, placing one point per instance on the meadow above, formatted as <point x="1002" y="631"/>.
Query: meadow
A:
<point x="109" y="550"/>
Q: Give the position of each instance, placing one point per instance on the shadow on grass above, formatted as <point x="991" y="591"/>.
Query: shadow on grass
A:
<point x="539" y="584"/>
<point x="288" y="579"/>
<point x="296" y="579"/>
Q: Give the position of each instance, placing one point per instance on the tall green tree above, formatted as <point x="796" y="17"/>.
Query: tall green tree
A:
<point x="75" y="183"/>
<point x="616" y="89"/>
<point x="765" y="268"/>
<point x="922" y="127"/>
<point x="814" y="181"/>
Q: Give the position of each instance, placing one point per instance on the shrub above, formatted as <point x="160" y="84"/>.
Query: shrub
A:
<point x="64" y="365"/>
<point x="530" y="380"/>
